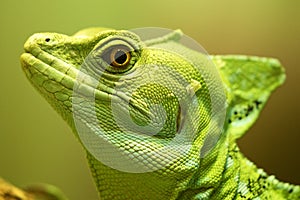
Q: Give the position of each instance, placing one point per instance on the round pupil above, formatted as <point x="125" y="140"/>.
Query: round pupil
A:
<point x="120" y="56"/>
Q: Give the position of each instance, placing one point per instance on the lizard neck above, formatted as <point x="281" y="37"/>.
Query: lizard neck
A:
<point x="203" y="181"/>
<point x="223" y="174"/>
<point x="233" y="176"/>
<point x="215" y="178"/>
<point x="114" y="184"/>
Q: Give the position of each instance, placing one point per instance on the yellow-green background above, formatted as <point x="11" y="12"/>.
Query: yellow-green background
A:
<point x="37" y="146"/>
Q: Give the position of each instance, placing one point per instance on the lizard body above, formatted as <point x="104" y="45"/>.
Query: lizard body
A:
<point x="107" y="84"/>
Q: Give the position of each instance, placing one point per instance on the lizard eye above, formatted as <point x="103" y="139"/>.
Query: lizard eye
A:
<point x="117" y="56"/>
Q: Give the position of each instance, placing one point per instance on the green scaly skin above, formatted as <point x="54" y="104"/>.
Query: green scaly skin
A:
<point x="52" y="61"/>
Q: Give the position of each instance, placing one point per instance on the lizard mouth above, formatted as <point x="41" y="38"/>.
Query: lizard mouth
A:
<point x="50" y="74"/>
<point x="44" y="69"/>
<point x="39" y="65"/>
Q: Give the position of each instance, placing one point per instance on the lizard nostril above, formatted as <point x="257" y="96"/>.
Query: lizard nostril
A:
<point x="47" y="39"/>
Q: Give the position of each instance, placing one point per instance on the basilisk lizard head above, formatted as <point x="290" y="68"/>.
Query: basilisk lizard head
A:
<point x="149" y="112"/>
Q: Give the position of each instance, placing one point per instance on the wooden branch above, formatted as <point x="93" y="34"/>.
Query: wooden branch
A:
<point x="10" y="192"/>
<point x="35" y="192"/>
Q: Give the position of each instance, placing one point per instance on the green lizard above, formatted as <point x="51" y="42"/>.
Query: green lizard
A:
<point x="156" y="120"/>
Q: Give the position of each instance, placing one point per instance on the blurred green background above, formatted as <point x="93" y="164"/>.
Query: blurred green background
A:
<point x="37" y="146"/>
